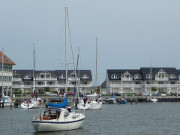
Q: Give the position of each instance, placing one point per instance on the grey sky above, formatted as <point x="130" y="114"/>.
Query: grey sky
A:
<point x="130" y="33"/>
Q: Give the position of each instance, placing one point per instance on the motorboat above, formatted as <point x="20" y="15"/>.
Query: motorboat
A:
<point x="7" y="101"/>
<point x="113" y="99"/>
<point x="57" y="120"/>
<point x="153" y="100"/>
<point x="33" y="103"/>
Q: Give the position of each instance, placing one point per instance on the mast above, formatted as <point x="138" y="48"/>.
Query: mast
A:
<point x="34" y="68"/>
<point x="2" y="71"/>
<point x="150" y="77"/>
<point x="96" y="65"/>
<point x="66" y="65"/>
<point x="77" y="75"/>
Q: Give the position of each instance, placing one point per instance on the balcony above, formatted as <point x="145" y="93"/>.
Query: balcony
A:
<point x="126" y="79"/>
<point x="161" y="79"/>
<point x="126" y="85"/>
<point x="162" y="85"/>
<point x="16" y="86"/>
<point x="17" y="79"/>
<point x="71" y="79"/>
<point x="46" y="79"/>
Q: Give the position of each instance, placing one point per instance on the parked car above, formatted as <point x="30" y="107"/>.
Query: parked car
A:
<point x="174" y="94"/>
<point x="163" y="95"/>
<point x="116" y="94"/>
<point x="70" y="93"/>
<point x="50" y="94"/>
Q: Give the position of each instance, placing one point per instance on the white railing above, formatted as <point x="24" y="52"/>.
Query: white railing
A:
<point x="126" y="79"/>
<point x="71" y="79"/>
<point x="46" y="79"/>
<point x="16" y="86"/>
<point x="126" y="85"/>
<point x="17" y="79"/>
<point x="141" y="85"/>
<point x="161" y="79"/>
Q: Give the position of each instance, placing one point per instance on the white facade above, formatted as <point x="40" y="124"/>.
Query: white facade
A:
<point x="5" y="75"/>
<point x="51" y="79"/>
<point x="6" y="79"/>
<point x="139" y="82"/>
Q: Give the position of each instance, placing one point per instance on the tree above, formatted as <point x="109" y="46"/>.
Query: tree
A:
<point x="47" y="89"/>
<point x="154" y="89"/>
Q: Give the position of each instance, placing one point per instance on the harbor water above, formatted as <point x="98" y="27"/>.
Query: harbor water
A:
<point x="112" y="119"/>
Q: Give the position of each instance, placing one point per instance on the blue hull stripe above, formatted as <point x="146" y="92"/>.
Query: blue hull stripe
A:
<point x="57" y="122"/>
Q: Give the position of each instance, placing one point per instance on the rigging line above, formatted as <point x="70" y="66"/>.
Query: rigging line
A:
<point x="75" y="69"/>
<point x="71" y="41"/>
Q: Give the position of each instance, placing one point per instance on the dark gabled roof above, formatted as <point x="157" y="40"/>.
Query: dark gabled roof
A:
<point x="143" y="72"/>
<point x="146" y="70"/>
<point x="23" y="73"/>
<point x="178" y="72"/>
<point x="120" y="72"/>
<point x="57" y="73"/>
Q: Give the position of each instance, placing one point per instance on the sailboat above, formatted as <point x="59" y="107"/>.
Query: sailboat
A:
<point x="82" y="103"/>
<point x="96" y="104"/>
<point x="152" y="99"/>
<point x="34" y="102"/>
<point x="58" y="119"/>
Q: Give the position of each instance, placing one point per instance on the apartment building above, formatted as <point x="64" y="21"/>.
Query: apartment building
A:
<point x="55" y="80"/>
<point x="6" y="65"/>
<point x="140" y="81"/>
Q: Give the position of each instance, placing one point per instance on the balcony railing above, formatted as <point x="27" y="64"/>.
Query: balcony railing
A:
<point x="126" y="85"/>
<point x="161" y="79"/>
<point x="126" y="79"/>
<point x="147" y="85"/>
<point x="46" y="79"/>
<point x="17" y="79"/>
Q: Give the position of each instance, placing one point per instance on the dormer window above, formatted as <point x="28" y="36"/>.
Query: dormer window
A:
<point x="114" y="76"/>
<point x="85" y="76"/>
<point x="27" y="77"/>
<point x="137" y="76"/>
<point x="172" y="76"/>
<point x="73" y="75"/>
<point x="149" y="76"/>
<point x="62" y="76"/>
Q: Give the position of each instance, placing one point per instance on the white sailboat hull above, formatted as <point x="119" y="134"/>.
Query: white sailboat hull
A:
<point x="8" y="104"/>
<point x="153" y="99"/>
<point x="54" y="125"/>
<point x="95" y="105"/>
<point x="82" y="106"/>
<point x="29" y="105"/>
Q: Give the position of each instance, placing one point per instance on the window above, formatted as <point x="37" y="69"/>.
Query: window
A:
<point x="62" y="76"/>
<point x="148" y="76"/>
<point x="27" y="77"/>
<point x="42" y="76"/>
<point x="114" y="76"/>
<point x="47" y="76"/>
<point x="137" y="76"/>
<point x="172" y="82"/>
<point x="172" y="76"/>
<point x="85" y="76"/>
